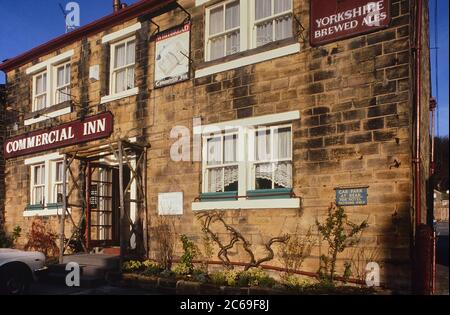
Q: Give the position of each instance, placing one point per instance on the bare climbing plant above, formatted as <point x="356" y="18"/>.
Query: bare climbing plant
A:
<point x="209" y="218"/>
<point x="165" y="238"/>
<point x="294" y="252"/>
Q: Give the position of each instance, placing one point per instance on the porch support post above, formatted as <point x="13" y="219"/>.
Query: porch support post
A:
<point x="88" y="206"/>
<point x="123" y="218"/>
<point x="145" y="223"/>
<point x="64" y="209"/>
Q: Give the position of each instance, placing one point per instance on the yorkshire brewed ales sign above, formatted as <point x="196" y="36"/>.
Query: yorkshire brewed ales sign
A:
<point x="172" y="55"/>
<point x="333" y="20"/>
<point x="79" y="131"/>
<point x="351" y="196"/>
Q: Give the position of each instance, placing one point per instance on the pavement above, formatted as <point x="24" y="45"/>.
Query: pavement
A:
<point x="58" y="289"/>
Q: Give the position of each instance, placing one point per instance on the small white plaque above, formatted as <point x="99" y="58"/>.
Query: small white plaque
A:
<point x="170" y="203"/>
<point x="94" y="73"/>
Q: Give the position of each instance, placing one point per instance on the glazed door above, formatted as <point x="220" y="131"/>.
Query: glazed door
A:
<point x="104" y="211"/>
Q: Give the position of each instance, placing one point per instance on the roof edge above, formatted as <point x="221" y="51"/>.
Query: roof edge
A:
<point x="138" y="9"/>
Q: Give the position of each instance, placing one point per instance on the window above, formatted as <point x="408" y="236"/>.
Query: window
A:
<point x="267" y="160"/>
<point x="46" y="180"/>
<point x="237" y="25"/>
<point x="272" y="167"/>
<point x="62" y="83"/>
<point x="222" y="165"/>
<point x="40" y="91"/>
<point x="38" y="185"/>
<point x="122" y="65"/>
<point x="57" y="181"/>
<point x="224" y="29"/>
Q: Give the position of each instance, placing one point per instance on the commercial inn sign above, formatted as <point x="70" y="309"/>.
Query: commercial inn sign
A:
<point x="79" y="131"/>
<point x="332" y="20"/>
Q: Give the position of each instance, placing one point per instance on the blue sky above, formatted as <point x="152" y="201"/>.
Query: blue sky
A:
<point x="25" y="24"/>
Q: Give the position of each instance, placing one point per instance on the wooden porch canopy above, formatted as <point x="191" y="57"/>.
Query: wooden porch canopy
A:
<point x="90" y="156"/>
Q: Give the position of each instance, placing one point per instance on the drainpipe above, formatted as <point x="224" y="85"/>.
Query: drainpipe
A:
<point x="418" y="80"/>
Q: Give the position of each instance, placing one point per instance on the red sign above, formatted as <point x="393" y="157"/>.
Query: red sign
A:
<point x="79" y="131"/>
<point x="333" y="20"/>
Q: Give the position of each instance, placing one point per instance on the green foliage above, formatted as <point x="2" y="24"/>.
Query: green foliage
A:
<point x="255" y="277"/>
<point x="190" y="253"/>
<point x="226" y="277"/>
<point x="132" y="266"/>
<point x="296" y="250"/>
<point x="181" y="269"/>
<point x="151" y="268"/>
<point x="339" y="233"/>
<point x="8" y="241"/>
<point x="42" y="239"/>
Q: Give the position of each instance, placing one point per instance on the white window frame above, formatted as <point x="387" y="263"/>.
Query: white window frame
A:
<point x="254" y="22"/>
<point x="45" y="93"/>
<point x="49" y="162"/>
<point x="66" y="85"/>
<point x="247" y="24"/>
<point x="273" y="160"/>
<point x="34" y="186"/>
<point x="246" y="138"/>
<point x="223" y="165"/>
<point x="126" y="67"/>
<point x="48" y="66"/>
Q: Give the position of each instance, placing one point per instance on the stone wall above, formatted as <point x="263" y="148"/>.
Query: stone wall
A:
<point x="356" y="105"/>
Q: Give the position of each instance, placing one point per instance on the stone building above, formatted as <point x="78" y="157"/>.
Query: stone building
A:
<point x="290" y="105"/>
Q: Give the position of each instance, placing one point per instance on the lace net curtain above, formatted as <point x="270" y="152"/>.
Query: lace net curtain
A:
<point x="278" y="172"/>
<point x="230" y="43"/>
<point x="267" y="32"/>
<point x="125" y="55"/>
<point x="221" y="177"/>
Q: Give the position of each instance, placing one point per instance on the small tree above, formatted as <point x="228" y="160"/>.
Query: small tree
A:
<point x="339" y="233"/>
<point x="190" y="252"/>
<point x="42" y="239"/>
<point x="296" y="250"/>
<point x="164" y="236"/>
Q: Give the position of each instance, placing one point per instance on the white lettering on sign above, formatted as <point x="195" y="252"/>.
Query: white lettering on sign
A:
<point x="95" y="126"/>
<point x="373" y="14"/>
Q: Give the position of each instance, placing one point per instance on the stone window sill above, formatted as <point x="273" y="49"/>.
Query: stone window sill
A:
<point x="47" y="113"/>
<point x="281" y="203"/>
<point x="41" y="211"/>
<point x="118" y="96"/>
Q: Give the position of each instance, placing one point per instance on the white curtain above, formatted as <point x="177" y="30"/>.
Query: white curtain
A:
<point x="231" y="175"/>
<point x="282" y="6"/>
<point x="120" y="56"/>
<point x="215" y="180"/>
<point x="263" y="8"/>
<point x="283" y="174"/>
<point x="67" y="74"/>
<point x="263" y="171"/>
<point x="130" y="77"/>
<point x="217" y="48"/>
<point x="282" y="138"/>
<point x="230" y="149"/>
<point x="61" y="76"/>
<point x="216" y="21"/>
<point x="131" y="52"/>
<point x="233" y="43"/>
<point x="263" y="145"/>
<point x="120" y="80"/>
<point x="264" y="33"/>
<point x="232" y="15"/>
<point x="214" y="151"/>
<point x="283" y="28"/>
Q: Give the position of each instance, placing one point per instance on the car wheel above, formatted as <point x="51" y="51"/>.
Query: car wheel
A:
<point x="14" y="280"/>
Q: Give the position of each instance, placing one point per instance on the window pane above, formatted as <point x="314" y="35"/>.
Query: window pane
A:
<point x="217" y="48"/>
<point x="264" y="33"/>
<point x="283" y="28"/>
<point x="282" y="138"/>
<point x="60" y="76"/>
<point x="214" y="151"/>
<point x="282" y="6"/>
<point x="230" y="149"/>
<point x="231" y="178"/>
<point x="263" y="8"/>
<point x="216" y="21"/>
<point x="120" y="56"/>
<point x="37" y="175"/>
<point x="233" y="43"/>
<point x="263" y="145"/>
<point x="130" y="78"/>
<point x="283" y="175"/>
<point x="38" y="195"/>
<point x="120" y="80"/>
<point x="131" y="52"/>
<point x="59" y="171"/>
<point x="67" y="74"/>
<point x="40" y="102"/>
<point x="215" y="180"/>
<point x="232" y="15"/>
<point x="263" y="176"/>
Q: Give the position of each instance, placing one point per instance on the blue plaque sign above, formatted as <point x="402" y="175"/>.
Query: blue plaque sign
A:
<point x="351" y="196"/>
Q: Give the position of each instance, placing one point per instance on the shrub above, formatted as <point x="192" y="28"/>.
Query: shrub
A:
<point x="9" y="241"/>
<point x="164" y="235"/>
<point x="190" y="253"/>
<point x="42" y="240"/>
<point x="296" y="250"/>
<point x="255" y="277"/>
<point x="295" y="283"/>
<point x="132" y="266"/>
<point x="151" y="268"/>
<point x="339" y="233"/>
<point x="181" y="269"/>
<point x="227" y="277"/>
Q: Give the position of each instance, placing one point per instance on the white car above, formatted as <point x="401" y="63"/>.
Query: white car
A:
<point x="18" y="269"/>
